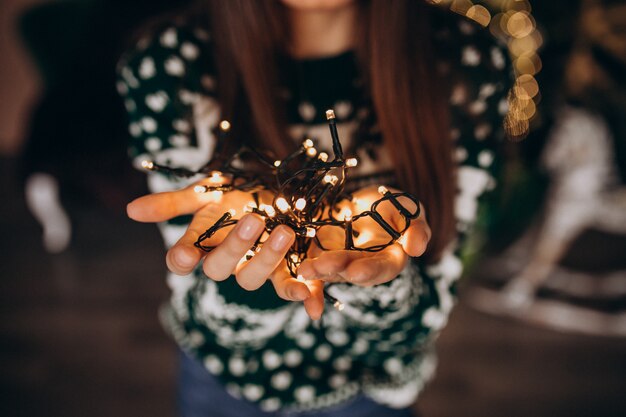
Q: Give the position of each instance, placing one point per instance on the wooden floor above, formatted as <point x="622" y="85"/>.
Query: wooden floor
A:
<point x="79" y="336"/>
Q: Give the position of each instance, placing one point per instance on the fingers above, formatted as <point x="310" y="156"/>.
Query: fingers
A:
<point x="287" y="287"/>
<point x="182" y="258"/>
<point x="359" y="268"/>
<point x="164" y="206"/>
<point x="220" y="263"/>
<point x="314" y="305"/>
<point x="377" y="269"/>
<point x="253" y="273"/>
<point x="329" y="266"/>
<point x="416" y="237"/>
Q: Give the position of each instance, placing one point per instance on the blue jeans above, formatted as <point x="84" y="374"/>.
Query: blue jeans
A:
<point x="200" y="394"/>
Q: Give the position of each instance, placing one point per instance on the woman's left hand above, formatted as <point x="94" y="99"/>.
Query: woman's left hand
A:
<point x="360" y="267"/>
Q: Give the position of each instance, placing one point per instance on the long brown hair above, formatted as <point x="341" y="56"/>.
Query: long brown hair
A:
<point x="396" y="56"/>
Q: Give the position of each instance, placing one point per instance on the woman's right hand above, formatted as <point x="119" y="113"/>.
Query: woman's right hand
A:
<point x="231" y="244"/>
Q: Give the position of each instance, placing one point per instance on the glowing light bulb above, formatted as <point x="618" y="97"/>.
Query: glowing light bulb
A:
<point x="300" y="278"/>
<point x="330" y="179"/>
<point x="269" y="210"/>
<point x="282" y="204"/>
<point x="216" y="177"/>
<point x="361" y="205"/>
<point x="311" y="152"/>
<point x="294" y="258"/>
<point x="323" y="156"/>
<point x="307" y="144"/>
<point x="300" y="204"/>
<point x="351" y="162"/>
<point x="339" y="305"/>
<point x="402" y="240"/>
<point x="147" y="164"/>
<point x="215" y="195"/>
<point x="225" y="125"/>
<point x="383" y="190"/>
<point x="232" y="212"/>
<point x="347" y="216"/>
<point x="363" y="238"/>
<point x="277" y="163"/>
<point x="200" y="189"/>
<point x="310" y="232"/>
<point x="249" y="208"/>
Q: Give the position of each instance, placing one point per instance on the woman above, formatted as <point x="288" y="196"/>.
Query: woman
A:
<point x="419" y="95"/>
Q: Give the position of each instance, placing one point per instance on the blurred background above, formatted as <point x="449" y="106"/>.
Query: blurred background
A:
<point x="540" y="329"/>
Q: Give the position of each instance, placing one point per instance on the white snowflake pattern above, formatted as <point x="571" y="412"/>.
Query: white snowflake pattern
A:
<point x="292" y="358"/>
<point x="148" y="124"/>
<point x="157" y="101"/>
<point x="304" y="393"/>
<point x="281" y="380"/>
<point x="253" y="392"/>
<point x="189" y="51"/>
<point x="147" y="68"/>
<point x="470" y="56"/>
<point x="174" y="66"/>
<point x="153" y="144"/>
<point x="213" y="364"/>
<point x="169" y="38"/>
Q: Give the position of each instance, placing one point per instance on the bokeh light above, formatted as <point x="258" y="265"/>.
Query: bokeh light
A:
<point x="511" y="21"/>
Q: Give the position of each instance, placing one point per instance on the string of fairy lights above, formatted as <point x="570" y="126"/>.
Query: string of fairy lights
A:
<point x="512" y="22"/>
<point x="308" y="195"/>
<point x="308" y="187"/>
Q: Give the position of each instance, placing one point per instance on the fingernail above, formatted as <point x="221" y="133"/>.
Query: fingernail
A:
<point x="280" y="239"/>
<point x="182" y="257"/>
<point x="249" y="227"/>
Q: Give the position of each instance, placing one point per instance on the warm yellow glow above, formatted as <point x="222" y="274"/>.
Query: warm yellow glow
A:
<point x="461" y="6"/>
<point x="277" y="163"/>
<point x="351" y="162"/>
<point x="200" y="189"/>
<point x="364" y="237"/>
<point x="215" y="195"/>
<point x="361" y="205"/>
<point x="528" y="64"/>
<point x="147" y="164"/>
<point x="310" y="232"/>
<point x="225" y="125"/>
<point x="232" y="212"/>
<point x="520" y="24"/>
<point x="323" y="156"/>
<point x="294" y="258"/>
<point x="308" y="143"/>
<point x="383" y="190"/>
<point x="269" y="210"/>
<point x="345" y="214"/>
<point x="479" y="14"/>
<point x="300" y="204"/>
<point x="402" y="240"/>
<point x="282" y="204"/>
<point x="311" y="152"/>
<point x="249" y="208"/>
<point x="526" y="86"/>
<point x="339" y="305"/>
<point x="300" y="278"/>
<point x="216" y="177"/>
